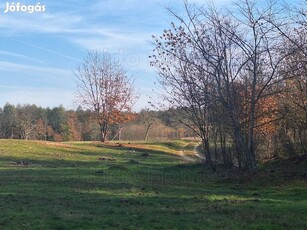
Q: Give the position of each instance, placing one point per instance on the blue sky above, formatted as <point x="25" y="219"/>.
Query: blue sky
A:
<point x="40" y="51"/>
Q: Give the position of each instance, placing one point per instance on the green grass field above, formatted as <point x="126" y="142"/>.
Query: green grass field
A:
<point x="88" y="185"/>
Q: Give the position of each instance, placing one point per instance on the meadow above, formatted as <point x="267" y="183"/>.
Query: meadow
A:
<point x="142" y="185"/>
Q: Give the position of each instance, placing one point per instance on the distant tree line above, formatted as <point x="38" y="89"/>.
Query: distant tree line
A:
<point x="239" y="77"/>
<point x="31" y="122"/>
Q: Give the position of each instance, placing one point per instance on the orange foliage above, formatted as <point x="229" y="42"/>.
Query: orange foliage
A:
<point x="267" y="113"/>
<point x="58" y="137"/>
<point x="72" y="124"/>
<point x="121" y="117"/>
<point x="40" y="128"/>
<point x="265" y="110"/>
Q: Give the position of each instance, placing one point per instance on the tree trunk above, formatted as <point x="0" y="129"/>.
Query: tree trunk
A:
<point x="243" y="151"/>
<point x="103" y="131"/>
<point x="207" y="152"/>
<point x="119" y="132"/>
<point x="103" y="137"/>
<point x="147" y="131"/>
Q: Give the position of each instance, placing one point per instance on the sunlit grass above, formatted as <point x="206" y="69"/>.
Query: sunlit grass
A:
<point x="89" y="185"/>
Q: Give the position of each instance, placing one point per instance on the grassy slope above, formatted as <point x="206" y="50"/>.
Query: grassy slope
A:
<point x="67" y="186"/>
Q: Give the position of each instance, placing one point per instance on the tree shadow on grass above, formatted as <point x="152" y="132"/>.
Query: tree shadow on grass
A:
<point x="120" y="206"/>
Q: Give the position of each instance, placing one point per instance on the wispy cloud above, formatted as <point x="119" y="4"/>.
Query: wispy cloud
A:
<point x="101" y="20"/>
<point x="19" y="56"/>
<point x="60" y="36"/>
<point x="14" y="67"/>
<point x="41" y="23"/>
<point x="48" y="50"/>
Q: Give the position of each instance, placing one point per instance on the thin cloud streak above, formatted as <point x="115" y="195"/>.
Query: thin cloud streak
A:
<point x="14" y="67"/>
<point x="20" y="56"/>
<point x="48" y="50"/>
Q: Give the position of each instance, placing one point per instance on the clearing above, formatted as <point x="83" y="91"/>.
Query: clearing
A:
<point x="141" y="185"/>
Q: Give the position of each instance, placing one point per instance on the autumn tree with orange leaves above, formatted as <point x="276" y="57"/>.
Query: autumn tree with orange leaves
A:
<point x="105" y="89"/>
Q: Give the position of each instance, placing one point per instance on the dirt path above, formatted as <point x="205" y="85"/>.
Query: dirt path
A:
<point x="195" y="157"/>
<point x="198" y="154"/>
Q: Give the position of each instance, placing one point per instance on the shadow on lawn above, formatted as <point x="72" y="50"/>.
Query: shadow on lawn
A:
<point x="96" y="195"/>
<point x="77" y="204"/>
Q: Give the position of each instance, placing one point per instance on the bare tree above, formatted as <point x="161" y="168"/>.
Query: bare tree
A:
<point x="26" y="121"/>
<point x="293" y="99"/>
<point x="185" y="75"/>
<point x="148" y="118"/>
<point x="105" y="89"/>
<point x="227" y="60"/>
